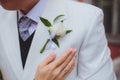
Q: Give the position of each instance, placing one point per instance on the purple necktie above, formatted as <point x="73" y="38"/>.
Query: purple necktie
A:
<point x="24" y="24"/>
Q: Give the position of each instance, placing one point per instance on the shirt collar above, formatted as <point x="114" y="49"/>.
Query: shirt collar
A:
<point x="35" y="12"/>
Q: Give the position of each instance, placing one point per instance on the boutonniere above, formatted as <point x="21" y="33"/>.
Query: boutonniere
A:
<point x="56" y="31"/>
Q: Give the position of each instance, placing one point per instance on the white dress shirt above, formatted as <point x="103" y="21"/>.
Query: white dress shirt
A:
<point x="34" y="15"/>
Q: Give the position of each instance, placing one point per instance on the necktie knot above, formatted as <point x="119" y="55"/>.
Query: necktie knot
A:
<point x="24" y="24"/>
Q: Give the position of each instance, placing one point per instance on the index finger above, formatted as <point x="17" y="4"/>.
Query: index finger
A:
<point x="63" y="57"/>
<point x="48" y="60"/>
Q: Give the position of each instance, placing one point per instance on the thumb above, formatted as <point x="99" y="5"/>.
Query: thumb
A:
<point x="48" y="60"/>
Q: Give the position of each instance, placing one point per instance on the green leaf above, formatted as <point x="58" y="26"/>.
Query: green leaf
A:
<point x="43" y="48"/>
<point x="49" y="31"/>
<point x="62" y="21"/>
<point x="68" y="31"/>
<point x="45" y="22"/>
<point x="56" y="42"/>
<point x="58" y="17"/>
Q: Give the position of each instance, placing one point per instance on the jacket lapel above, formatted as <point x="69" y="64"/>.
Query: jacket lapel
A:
<point x="34" y="57"/>
<point x="10" y="41"/>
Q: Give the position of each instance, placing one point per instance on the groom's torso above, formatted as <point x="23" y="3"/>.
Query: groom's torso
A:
<point x="76" y="19"/>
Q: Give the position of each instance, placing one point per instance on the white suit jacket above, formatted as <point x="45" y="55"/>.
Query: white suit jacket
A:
<point x="88" y="36"/>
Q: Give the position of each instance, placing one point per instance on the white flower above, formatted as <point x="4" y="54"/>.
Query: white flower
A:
<point x="58" y="29"/>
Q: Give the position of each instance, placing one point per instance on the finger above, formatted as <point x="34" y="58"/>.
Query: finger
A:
<point x="67" y="61"/>
<point x="58" y="70"/>
<point x="71" y="68"/>
<point x="68" y="69"/>
<point x="64" y="64"/>
<point x="48" y="60"/>
<point x="63" y="57"/>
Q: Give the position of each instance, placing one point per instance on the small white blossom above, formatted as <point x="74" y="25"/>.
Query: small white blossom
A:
<point x="58" y="29"/>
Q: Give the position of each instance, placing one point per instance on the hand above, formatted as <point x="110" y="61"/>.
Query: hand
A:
<point x="51" y="69"/>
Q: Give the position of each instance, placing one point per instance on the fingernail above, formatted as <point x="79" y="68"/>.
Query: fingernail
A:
<point x="74" y="52"/>
<point x="71" y="49"/>
<point x="53" y="54"/>
<point x="75" y="55"/>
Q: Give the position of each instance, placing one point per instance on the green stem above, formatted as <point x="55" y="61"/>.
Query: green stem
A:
<point x="43" y="48"/>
